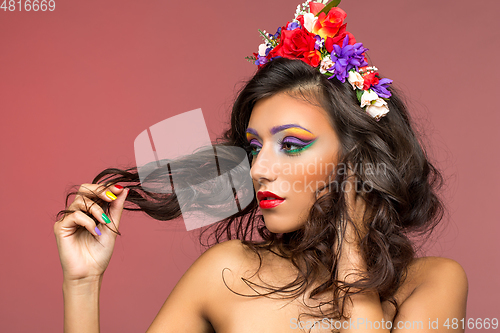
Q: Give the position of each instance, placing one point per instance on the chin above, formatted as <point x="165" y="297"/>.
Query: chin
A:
<point x="279" y="223"/>
<point x="277" y="228"/>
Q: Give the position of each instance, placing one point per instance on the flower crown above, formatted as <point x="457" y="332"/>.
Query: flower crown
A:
<point x="317" y="35"/>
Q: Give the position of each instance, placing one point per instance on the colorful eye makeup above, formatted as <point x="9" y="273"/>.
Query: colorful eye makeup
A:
<point x="295" y="139"/>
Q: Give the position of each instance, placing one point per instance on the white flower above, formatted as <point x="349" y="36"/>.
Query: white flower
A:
<point x="309" y="21"/>
<point x="325" y="64"/>
<point x="262" y="50"/>
<point x="356" y="80"/>
<point x="367" y="97"/>
<point x="377" y="109"/>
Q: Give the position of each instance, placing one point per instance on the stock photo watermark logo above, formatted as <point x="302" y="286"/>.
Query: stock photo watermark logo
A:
<point x="210" y="183"/>
<point x="358" y="324"/>
<point x="320" y="175"/>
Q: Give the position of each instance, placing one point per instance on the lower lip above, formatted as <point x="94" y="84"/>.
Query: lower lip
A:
<point x="266" y="204"/>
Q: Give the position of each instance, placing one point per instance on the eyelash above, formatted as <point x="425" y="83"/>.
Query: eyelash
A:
<point x="291" y="152"/>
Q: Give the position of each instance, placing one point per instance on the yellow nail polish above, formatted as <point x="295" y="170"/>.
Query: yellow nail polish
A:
<point x="111" y="195"/>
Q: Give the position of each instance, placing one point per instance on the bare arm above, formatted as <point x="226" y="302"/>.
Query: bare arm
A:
<point x="85" y="251"/>
<point x="81" y="305"/>
<point x="440" y="299"/>
<point x="365" y="307"/>
<point x="199" y="292"/>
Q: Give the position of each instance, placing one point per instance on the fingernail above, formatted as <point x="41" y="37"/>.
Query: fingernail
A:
<point x="119" y="187"/>
<point x="105" y="218"/>
<point x="98" y="231"/>
<point x="111" y="195"/>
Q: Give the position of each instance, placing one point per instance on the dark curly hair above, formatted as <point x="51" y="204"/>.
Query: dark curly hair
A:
<point x="402" y="199"/>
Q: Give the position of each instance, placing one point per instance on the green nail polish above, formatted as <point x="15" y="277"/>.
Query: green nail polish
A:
<point x="105" y="218"/>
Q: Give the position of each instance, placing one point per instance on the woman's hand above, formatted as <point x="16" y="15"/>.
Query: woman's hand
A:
<point x="83" y="252"/>
<point x="356" y="208"/>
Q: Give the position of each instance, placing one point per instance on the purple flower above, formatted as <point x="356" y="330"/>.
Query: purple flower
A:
<point x="381" y="88"/>
<point x="346" y="58"/>
<point x="318" y="43"/>
<point x="293" y="26"/>
<point x="277" y="34"/>
<point x="261" y="60"/>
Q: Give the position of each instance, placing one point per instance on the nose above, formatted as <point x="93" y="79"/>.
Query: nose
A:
<point x="265" y="167"/>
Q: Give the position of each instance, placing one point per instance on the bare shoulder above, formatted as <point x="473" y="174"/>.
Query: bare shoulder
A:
<point x="227" y="251"/>
<point x="440" y="290"/>
<point x="438" y="270"/>
<point x="230" y="255"/>
<point x="208" y="269"/>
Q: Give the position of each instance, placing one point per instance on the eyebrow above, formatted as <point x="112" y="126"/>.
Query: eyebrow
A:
<point x="277" y="129"/>
<point x="252" y="131"/>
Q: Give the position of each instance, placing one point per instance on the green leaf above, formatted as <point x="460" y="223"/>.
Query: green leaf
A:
<point x="251" y="59"/>
<point x="326" y="9"/>
<point x="359" y="93"/>
<point x="265" y="37"/>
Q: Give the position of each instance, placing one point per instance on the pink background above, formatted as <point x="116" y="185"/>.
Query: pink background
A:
<point x="77" y="85"/>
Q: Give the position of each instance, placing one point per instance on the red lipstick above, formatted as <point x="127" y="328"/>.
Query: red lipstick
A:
<point x="268" y="199"/>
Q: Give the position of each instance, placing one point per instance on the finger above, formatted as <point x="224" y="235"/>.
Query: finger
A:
<point x="105" y="192"/>
<point x="355" y="202"/>
<point x="116" y="207"/>
<point x="68" y="225"/>
<point x="87" y="205"/>
<point x="349" y="190"/>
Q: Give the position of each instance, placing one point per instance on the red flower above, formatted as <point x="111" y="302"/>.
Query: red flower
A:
<point x="328" y="25"/>
<point x="339" y="39"/>
<point x="297" y="44"/>
<point x="313" y="58"/>
<point x="300" y="18"/>
<point x="370" y="79"/>
<point x="316" y="7"/>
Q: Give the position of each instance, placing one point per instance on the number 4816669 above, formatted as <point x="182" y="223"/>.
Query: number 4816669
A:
<point x="28" y="5"/>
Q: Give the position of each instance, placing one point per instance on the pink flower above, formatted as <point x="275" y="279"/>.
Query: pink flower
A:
<point x="309" y="21"/>
<point x="356" y="80"/>
<point x="377" y="109"/>
<point x="326" y="63"/>
<point x="262" y="50"/>
<point x="367" y="97"/>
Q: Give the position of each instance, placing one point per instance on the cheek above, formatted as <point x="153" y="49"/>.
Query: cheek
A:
<point x="310" y="175"/>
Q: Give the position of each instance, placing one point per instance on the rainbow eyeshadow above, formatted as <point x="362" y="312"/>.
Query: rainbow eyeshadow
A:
<point x="299" y="133"/>
<point x="293" y="135"/>
<point x="299" y="138"/>
<point x="251" y="133"/>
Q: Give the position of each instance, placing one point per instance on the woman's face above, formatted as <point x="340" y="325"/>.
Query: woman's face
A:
<point x="295" y="149"/>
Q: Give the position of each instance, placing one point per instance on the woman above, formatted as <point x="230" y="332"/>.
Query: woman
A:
<point x="341" y="181"/>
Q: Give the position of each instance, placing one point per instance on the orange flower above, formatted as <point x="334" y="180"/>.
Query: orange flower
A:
<point x="312" y="58"/>
<point x="329" y="24"/>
